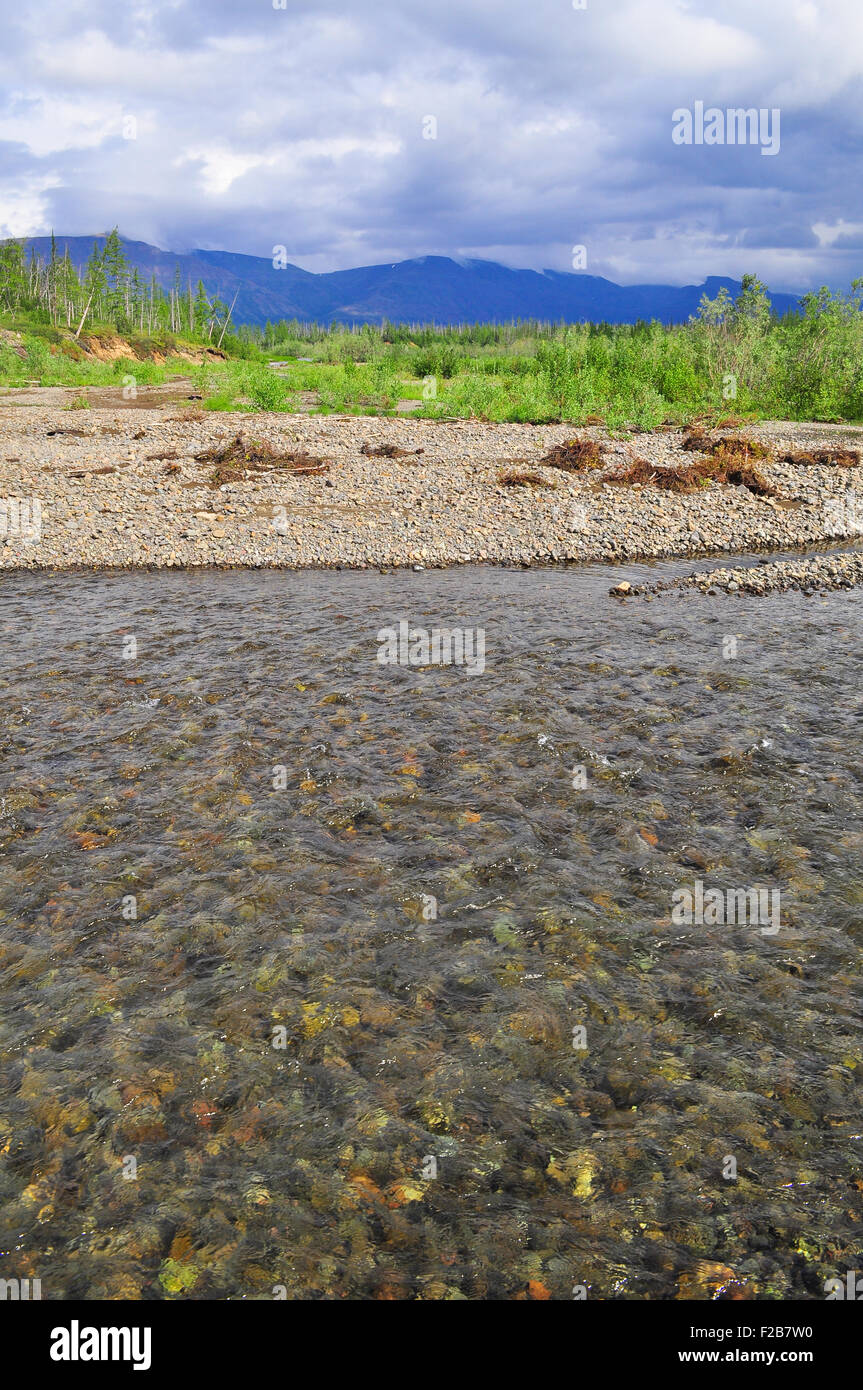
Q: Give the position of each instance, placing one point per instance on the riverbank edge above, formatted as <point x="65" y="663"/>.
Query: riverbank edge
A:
<point x="132" y="491"/>
<point x="835" y="570"/>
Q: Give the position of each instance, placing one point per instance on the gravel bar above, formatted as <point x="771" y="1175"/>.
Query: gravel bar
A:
<point x="122" y="488"/>
<point x="814" y="574"/>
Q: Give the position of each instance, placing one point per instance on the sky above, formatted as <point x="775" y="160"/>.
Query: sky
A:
<point x="355" y="132"/>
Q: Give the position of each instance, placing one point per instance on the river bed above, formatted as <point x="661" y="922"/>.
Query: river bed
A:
<point x="329" y="978"/>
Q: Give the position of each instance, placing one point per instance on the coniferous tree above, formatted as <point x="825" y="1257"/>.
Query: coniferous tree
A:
<point x="116" y="269"/>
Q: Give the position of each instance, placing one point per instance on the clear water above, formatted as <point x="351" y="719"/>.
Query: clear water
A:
<point x="291" y="1073"/>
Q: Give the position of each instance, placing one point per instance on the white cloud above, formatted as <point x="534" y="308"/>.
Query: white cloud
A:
<point x="220" y="167"/>
<point x="827" y="235"/>
<point x="679" y="41"/>
<point x="24" y="206"/>
<point x="47" y="125"/>
<point x="303" y="127"/>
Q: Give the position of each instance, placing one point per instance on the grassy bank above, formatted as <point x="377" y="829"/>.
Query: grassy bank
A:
<point x="734" y="357"/>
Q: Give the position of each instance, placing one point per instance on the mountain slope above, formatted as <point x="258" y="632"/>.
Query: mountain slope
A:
<point x="428" y="289"/>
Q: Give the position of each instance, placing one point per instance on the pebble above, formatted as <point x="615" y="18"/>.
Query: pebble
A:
<point x="813" y="574"/>
<point x="443" y="507"/>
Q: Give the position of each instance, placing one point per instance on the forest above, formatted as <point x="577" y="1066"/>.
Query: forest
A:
<point x="734" y="356"/>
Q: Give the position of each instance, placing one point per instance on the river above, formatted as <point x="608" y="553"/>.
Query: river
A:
<point x="324" y="977"/>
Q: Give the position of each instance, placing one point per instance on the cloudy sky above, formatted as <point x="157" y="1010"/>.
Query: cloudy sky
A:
<point x="243" y="126"/>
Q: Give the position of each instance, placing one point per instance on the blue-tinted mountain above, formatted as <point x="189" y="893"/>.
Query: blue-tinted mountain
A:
<point x="430" y="289"/>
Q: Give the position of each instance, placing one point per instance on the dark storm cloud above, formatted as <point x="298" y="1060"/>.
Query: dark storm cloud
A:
<point x="256" y="127"/>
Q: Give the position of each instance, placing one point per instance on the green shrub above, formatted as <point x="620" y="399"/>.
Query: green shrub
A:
<point x="267" y="390"/>
<point x="37" y="358"/>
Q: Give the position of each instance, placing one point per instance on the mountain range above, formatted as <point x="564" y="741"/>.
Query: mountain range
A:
<point x="429" y="289"/>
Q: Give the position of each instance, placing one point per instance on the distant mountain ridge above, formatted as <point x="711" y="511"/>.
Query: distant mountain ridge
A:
<point x="430" y="289"/>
